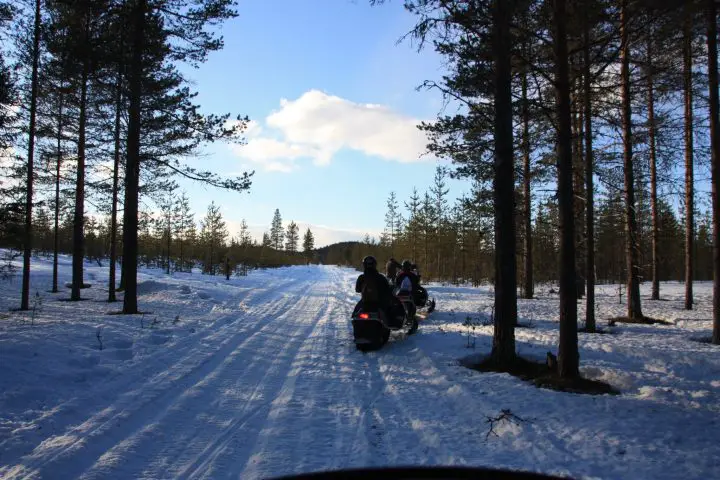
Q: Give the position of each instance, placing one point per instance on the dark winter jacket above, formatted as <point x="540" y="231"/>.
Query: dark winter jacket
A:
<point x="385" y="294"/>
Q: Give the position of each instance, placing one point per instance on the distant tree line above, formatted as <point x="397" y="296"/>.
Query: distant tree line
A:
<point x="172" y="240"/>
<point x="453" y="243"/>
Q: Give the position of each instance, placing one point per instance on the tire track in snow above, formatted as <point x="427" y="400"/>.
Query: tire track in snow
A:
<point x="287" y="393"/>
<point x="221" y="458"/>
<point x="103" y="396"/>
<point x="326" y="415"/>
<point x="74" y="451"/>
<point x="293" y="418"/>
<point x="261" y="367"/>
<point x="213" y="413"/>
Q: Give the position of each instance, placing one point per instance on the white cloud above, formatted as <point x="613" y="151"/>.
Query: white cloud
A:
<point x="317" y="125"/>
<point x="273" y="154"/>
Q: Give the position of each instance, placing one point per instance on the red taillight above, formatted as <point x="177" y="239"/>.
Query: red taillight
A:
<point x="364" y="316"/>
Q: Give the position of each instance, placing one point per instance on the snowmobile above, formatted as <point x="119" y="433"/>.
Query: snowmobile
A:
<point x="371" y="327"/>
<point x="422" y="301"/>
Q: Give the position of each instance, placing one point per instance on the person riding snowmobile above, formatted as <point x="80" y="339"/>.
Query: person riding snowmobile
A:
<point x="376" y="291"/>
<point x="407" y="273"/>
<point x="411" y="281"/>
<point x="407" y="283"/>
<point x="391" y="269"/>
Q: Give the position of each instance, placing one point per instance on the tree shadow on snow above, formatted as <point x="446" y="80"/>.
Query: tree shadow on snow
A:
<point x="542" y="375"/>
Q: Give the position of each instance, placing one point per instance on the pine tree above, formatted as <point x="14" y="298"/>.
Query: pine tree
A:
<point x="392" y="221"/>
<point x="308" y="244"/>
<point x="8" y="128"/>
<point x="245" y="236"/>
<point x="546" y="242"/>
<point x="27" y="241"/>
<point x="292" y="238"/>
<point x="183" y="221"/>
<point x="161" y="31"/>
<point x="412" y="229"/>
<point x="213" y="235"/>
<point x="689" y="152"/>
<point x="631" y="250"/>
<point x="503" y="350"/>
<point x="568" y="356"/>
<point x="8" y="91"/>
<point x="277" y="233"/>
<point x="189" y="245"/>
<point x="168" y="209"/>
<point x="439" y="192"/>
<point x="76" y="28"/>
<point x="42" y="231"/>
<point x="118" y="106"/>
<point x="714" y="106"/>
<point x="425" y="223"/>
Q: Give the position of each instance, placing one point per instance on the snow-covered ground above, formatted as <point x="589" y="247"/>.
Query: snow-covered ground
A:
<point x="258" y="376"/>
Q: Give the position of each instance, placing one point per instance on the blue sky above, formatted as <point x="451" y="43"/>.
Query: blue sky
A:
<point x="322" y="156"/>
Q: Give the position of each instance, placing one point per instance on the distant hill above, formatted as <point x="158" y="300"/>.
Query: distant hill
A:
<point x="350" y="253"/>
<point x="335" y="251"/>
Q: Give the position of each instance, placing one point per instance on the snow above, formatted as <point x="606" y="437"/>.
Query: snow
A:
<point x="258" y="377"/>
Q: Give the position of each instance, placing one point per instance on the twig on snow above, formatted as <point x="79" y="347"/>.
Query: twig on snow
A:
<point x="506" y="415"/>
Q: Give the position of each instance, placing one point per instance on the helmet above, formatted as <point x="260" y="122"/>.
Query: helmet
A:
<point x="406" y="265"/>
<point x="369" y="262"/>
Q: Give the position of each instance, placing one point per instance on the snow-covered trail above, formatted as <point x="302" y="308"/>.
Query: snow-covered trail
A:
<point x="275" y="387"/>
<point x="209" y="412"/>
<point x="259" y="378"/>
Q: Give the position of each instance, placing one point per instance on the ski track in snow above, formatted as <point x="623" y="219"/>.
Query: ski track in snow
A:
<point x="260" y="378"/>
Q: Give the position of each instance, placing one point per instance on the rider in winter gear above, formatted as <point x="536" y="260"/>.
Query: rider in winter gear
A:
<point x="408" y="273"/>
<point x="410" y="276"/>
<point x="408" y="283"/>
<point x="375" y="290"/>
<point x="391" y="269"/>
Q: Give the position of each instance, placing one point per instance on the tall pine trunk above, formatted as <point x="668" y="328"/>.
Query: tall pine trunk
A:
<point x="568" y="356"/>
<point x="28" y="237"/>
<point x="589" y="183"/>
<point x="425" y="251"/>
<point x="79" y="217"/>
<point x="631" y="244"/>
<point x="182" y="258"/>
<point x="132" y="169"/>
<point x="528" y="259"/>
<point x="576" y="132"/>
<point x="116" y="178"/>
<point x="56" y="227"/>
<point x="169" y="240"/>
<point x="653" y="171"/>
<point x="715" y="163"/>
<point x="689" y="195"/>
<point x="503" y="350"/>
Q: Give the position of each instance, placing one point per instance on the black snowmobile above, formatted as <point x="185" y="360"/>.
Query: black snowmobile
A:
<point x="371" y="327"/>
<point x="421" y="301"/>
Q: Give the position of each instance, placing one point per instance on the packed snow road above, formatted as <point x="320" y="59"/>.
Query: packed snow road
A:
<point x="275" y="386"/>
<point x="258" y="377"/>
